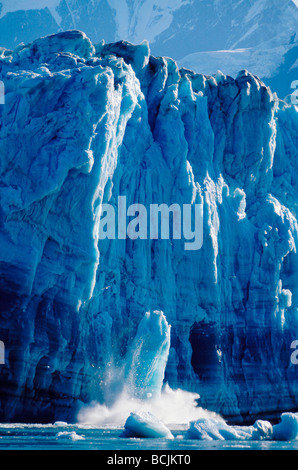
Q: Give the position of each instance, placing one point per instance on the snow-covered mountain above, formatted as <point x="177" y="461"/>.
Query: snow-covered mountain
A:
<point x="83" y="125"/>
<point x="204" y="35"/>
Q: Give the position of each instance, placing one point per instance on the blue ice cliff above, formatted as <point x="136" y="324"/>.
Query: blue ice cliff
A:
<point x="83" y="124"/>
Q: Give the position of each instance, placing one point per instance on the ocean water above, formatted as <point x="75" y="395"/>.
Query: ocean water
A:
<point x="62" y="436"/>
<point x="100" y="427"/>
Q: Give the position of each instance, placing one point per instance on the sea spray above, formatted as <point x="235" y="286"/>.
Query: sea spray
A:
<point x="173" y="407"/>
<point x="143" y="389"/>
<point x="146" y="407"/>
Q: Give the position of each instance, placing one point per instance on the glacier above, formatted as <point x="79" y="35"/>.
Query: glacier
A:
<point x="257" y="35"/>
<point x="85" y="123"/>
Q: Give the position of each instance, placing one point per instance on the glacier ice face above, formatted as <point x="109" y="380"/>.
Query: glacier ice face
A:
<point x="83" y="124"/>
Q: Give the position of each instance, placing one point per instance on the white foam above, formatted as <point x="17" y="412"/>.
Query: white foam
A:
<point x="72" y="435"/>
<point x="172" y="407"/>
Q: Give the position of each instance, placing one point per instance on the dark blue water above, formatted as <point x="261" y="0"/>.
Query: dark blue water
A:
<point x="77" y="437"/>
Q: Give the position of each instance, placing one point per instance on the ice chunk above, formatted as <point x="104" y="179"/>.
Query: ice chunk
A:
<point x="287" y="429"/>
<point x="148" y="356"/>
<point x="72" y="435"/>
<point x="145" y="424"/>
<point x="204" y="429"/>
<point x="60" y="423"/>
<point x="215" y="429"/>
<point x="262" y="430"/>
<point x="211" y="429"/>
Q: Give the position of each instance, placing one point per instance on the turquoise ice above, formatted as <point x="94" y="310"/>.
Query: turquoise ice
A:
<point x="83" y="124"/>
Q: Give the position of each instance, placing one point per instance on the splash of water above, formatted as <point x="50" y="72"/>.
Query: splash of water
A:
<point x="172" y="407"/>
<point x="143" y="389"/>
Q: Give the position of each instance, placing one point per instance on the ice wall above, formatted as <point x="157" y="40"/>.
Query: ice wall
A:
<point x="83" y="124"/>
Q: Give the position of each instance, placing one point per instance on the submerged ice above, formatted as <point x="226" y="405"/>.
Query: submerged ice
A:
<point x="83" y="124"/>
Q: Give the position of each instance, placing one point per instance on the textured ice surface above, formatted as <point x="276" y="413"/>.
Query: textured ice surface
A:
<point x="287" y="429"/>
<point x="145" y="424"/>
<point x="83" y="124"/>
<point x="214" y="429"/>
<point x="72" y="435"/>
<point x="259" y="35"/>
<point x="148" y="356"/>
<point x="211" y="429"/>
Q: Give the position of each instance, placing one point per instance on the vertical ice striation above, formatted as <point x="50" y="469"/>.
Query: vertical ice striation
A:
<point x="83" y="125"/>
<point x="148" y="356"/>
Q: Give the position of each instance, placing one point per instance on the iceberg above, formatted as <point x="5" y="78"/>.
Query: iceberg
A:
<point x="217" y="429"/>
<point x="211" y="429"/>
<point x="145" y="424"/>
<point x="83" y="124"/>
<point x="287" y="428"/>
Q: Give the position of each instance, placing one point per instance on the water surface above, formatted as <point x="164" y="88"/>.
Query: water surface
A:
<point x="85" y="437"/>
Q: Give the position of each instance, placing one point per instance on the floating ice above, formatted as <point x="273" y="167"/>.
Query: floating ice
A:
<point x="214" y="429"/>
<point x="210" y="429"/>
<point x="287" y="429"/>
<point x="145" y="424"/>
<point x="70" y="435"/>
<point x="60" y="423"/>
